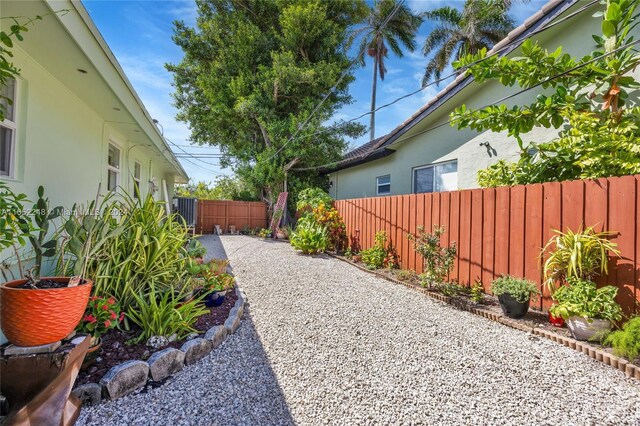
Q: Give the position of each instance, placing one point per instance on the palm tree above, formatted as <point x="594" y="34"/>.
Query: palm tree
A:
<point x="480" y="24"/>
<point x="389" y="23"/>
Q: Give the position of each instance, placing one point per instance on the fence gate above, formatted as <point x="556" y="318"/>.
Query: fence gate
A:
<point x="240" y="214"/>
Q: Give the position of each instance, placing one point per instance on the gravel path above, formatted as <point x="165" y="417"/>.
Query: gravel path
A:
<point x="325" y="343"/>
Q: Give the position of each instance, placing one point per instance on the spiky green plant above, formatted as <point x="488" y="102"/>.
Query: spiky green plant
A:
<point x="583" y="254"/>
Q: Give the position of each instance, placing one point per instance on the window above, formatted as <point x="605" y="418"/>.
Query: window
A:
<point x="137" y="172"/>
<point x="436" y="178"/>
<point x="383" y="185"/>
<point x="8" y="128"/>
<point x="113" y="168"/>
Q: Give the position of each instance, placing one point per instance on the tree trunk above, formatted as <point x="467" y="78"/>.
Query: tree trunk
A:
<point x="374" y="85"/>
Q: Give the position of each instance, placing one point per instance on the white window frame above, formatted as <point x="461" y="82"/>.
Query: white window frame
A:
<point x="110" y="168"/>
<point x="13" y="126"/>
<point x="433" y="167"/>
<point x="137" y="181"/>
<point x="378" y="185"/>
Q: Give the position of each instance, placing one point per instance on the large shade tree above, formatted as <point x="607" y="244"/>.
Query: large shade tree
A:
<point x="390" y="24"/>
<point x="255" y="74"/>
<point x="479" y="25"/>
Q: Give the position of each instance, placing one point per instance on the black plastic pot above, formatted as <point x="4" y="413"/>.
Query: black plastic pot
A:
<point x="512" y="307"/>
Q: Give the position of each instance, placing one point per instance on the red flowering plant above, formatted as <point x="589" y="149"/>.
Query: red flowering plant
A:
<point x="330" y="218"/>
<point x="102" y="314"/>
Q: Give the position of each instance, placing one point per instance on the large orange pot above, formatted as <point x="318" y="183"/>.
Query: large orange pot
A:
<point x="38" y="317"/>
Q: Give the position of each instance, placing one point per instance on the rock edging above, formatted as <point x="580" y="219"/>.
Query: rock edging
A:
<point x="629" y="369"/>
<point x="132" y="375"/>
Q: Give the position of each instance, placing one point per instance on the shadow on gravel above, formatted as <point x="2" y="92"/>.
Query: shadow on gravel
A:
<point x="242" y="387"/>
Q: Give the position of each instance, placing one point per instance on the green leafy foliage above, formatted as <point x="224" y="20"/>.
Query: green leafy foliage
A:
<point x="520" y="289"/>
<point x="626" y="342"/>
<point x="195" y="248"/>
<point x="102" y="314"/>
<point x="330" y="219"/>
<point x="309" y="237"/>
<point x="223" y="188"/>
<point x="42" y="218"/>
<point x="381" y="255"/>
<point x="479" y="25"/>
<point x="476" y="292"/>
<point x="12" y="208"/>
<point x="438" y="260"/>
<point x="164" y="314"/>
<point x="252" y="75"/>
<point x="311" y="198"/>
<point x="590" y="103"/>
<point x="582" y="298"/>
<point x="129" y="247"/>
<point x="583" y="254"/>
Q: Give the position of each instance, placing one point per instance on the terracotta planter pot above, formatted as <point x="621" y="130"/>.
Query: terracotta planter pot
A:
<point x="39" y="317"/>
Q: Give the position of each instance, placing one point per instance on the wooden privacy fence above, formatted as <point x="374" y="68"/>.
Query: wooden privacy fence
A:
<point x="502" y="230"/>
<point x="225" y="213"/>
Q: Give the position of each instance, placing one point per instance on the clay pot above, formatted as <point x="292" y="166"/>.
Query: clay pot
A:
<point x="38" y="317"/>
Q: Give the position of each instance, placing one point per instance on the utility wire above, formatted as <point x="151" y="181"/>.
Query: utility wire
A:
<point x="540" y="83"/>
<point x="458" y="71"/>
<point x="344" y="74"/>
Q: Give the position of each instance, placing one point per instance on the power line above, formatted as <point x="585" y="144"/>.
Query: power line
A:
<point x="458" y="71"/>
<point x="193" y="163"/>
<point x="344" y="74"/>
<point x="540" y="83"/>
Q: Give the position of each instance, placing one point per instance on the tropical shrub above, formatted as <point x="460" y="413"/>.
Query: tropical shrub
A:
<point x="582" y="298"/>
<point x="582" y="254"/>
<point x="438" y="260"/>
<point x="311" y="198"/>
<point x="332" y="221"/>
<point x="164" y="314"/>
<point x="520" y="289"/>
<point x="142" y="248"/>
<point x="309" y="237"/>
<point x="381" y="255"/>
<point x="626" y="342"/>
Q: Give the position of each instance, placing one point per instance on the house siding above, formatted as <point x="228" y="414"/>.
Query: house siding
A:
<point x="448" y="143"/>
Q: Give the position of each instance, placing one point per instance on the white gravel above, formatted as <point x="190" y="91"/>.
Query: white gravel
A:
<point x="325" y="343"/>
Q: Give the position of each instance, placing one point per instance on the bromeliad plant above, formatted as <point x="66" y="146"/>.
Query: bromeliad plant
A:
<point x="102" y="314"/>
<point x="583" y="254"/>
<point x="438" y="260"/>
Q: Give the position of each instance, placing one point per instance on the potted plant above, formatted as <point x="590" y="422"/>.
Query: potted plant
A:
<point x="514" y="295"/>
<point x="217" y="287"/>
<point x="102" y="314"/>
<point x="37" y="311"/>
<point x="589" y="311"/>
<point x="583" y="254"/>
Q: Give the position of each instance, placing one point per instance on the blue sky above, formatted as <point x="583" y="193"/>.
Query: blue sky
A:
<point x="139" y="34"/>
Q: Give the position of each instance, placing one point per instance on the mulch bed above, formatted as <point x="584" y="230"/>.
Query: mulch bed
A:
<point x="115" y="349"/>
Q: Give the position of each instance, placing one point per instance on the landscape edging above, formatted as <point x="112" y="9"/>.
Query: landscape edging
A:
<point x="619" y="363"/>
<point x="87" y="391"/>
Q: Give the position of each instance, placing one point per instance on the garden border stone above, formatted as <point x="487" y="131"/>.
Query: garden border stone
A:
<point x="191" y="351"/>
<point x="629" y="369"/>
